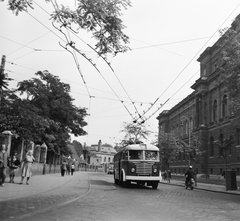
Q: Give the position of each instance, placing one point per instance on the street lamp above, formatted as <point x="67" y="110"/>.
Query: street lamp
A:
<point x="189" y="140"/>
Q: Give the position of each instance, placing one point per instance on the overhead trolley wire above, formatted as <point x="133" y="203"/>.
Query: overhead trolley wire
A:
<point x="187" y="65"/>
<point x="73" y="46"/>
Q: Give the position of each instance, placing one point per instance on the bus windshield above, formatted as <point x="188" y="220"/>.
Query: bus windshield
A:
<point x="151" y="155"/>
<point x="135" y="154"/>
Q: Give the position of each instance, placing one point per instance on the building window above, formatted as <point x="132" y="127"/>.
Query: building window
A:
<point x="204" y="72"/>
<point x="221" y="142"/>
<point x="224" y="106"/>
<point x="238" y="136"/>
<point x="231" y="138"/>
<point x="221" y="139"/>
<point x="211" y="146"/>
<point x="109" y="159"/>
<point x="215" y="110"/>
<point x="211" y="171"/>
<point x="215" y="66"/>
<point x="191" y="124"/>
<point x="186" y="127"/>
<point x="179" y="156"/>
<point x="104" y="159"/>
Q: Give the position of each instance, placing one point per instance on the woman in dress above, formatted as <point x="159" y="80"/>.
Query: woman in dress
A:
<point x="27" y="167"/>
<point x="14" y="164"/>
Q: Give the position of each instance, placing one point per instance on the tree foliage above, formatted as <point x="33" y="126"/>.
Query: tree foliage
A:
<point x="168" y="146"/>
<point x="134" y="133"/>
<point x="229" y="45"/>
<point x="192" y="150"/>
<point x="225" y="147"/>
<point x="43" y="112"/>
<point x="100" y="17"/>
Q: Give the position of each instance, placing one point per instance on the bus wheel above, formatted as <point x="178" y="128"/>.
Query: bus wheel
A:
<point x="155" y="185"/>
<point x="126" y="183"/>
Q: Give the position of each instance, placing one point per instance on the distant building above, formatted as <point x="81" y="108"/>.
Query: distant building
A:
<point x="101" y="154"/>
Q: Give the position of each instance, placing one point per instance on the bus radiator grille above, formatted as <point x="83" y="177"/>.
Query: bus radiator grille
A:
<point x="144" y="168"/>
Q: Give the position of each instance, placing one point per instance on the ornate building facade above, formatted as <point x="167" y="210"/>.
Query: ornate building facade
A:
<point x="207" y="114"/>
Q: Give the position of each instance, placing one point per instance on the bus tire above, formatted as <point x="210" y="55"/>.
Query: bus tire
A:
<point x="155" y="185"/>
<point x="127" y="183"/>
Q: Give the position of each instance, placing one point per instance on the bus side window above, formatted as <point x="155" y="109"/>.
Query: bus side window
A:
<point x="125" y="155"/>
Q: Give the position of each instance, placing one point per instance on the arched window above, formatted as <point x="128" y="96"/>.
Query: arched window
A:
<point x="186" y="127"/>
<point x="215" y="110"/>
<point x="191" y="124"/>
<point x="205" y="112"/>
<point x="231" y="138"/>
<point x="237" y="137"/>
<point x="224" y="106"/>
<point x="211" y="146"/>
<point x="221" y="142"/>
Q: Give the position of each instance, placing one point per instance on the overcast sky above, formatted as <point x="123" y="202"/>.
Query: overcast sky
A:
<point x="166" y="38"/>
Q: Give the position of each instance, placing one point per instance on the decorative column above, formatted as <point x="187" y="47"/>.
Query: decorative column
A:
<point x="7" y="140"/>
<point x="45" y="156"/>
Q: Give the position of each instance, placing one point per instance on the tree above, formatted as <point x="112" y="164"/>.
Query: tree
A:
<point x="78" y="147"/>
<point x="169" y="148"/>
<point x="100" y="17"/>
<point x="3" y="79"/>
<point x="192" y="150"/>
<point x="134" y="133"/>
<point x="225" y="147"/>
<point x="229" y="45"/>
<point x="44" y="112"/>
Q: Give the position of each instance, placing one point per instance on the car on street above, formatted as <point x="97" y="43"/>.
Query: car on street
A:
<point x="110" y="169"/>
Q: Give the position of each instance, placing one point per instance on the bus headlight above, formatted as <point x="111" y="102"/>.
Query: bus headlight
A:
<point x="154" y="170"/>
<point x="133" y="170"/>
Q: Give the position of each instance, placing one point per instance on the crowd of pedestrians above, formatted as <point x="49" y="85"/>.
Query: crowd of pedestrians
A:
<point x="14" y="164"/>
<point x="67" y="168"/>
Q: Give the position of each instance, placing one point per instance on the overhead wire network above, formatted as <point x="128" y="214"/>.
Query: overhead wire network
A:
<point x="182" y="72"/>
<point x="72" y="45"/>
<point x="157" y="100"/>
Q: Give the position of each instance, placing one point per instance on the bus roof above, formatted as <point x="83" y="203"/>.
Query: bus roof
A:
<point x="141" y="147"/>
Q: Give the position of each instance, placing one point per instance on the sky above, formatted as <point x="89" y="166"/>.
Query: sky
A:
<point x="166" y="39"/>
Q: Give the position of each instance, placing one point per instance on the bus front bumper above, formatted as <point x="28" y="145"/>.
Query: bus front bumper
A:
<point x="143" y="178"/>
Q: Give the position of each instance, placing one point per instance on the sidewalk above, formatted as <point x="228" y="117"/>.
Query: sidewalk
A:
<point x="204" y="186"/>
<point x="37" y="184"/>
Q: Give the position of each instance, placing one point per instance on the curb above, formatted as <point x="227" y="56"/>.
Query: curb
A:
<point x="204" y="189"/>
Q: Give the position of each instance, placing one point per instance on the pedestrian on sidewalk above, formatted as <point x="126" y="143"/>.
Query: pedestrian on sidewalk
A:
<point x="63" y="167"/>
<point x="27" y="167"/>
<point x="68" y="169"/>
<point x="13" y="164"/>
<point x="3" y="164"/>
<point x="72" y="168"/>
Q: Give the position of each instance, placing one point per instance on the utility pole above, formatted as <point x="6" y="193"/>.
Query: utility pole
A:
<point x="2" y="64"/>
<point x="2" y="75"/>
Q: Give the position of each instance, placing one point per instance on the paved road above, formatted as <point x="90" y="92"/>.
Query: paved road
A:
<point x="94" y="197"/>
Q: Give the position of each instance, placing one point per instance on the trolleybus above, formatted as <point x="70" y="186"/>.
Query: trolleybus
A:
<point x="137" y="163"/>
